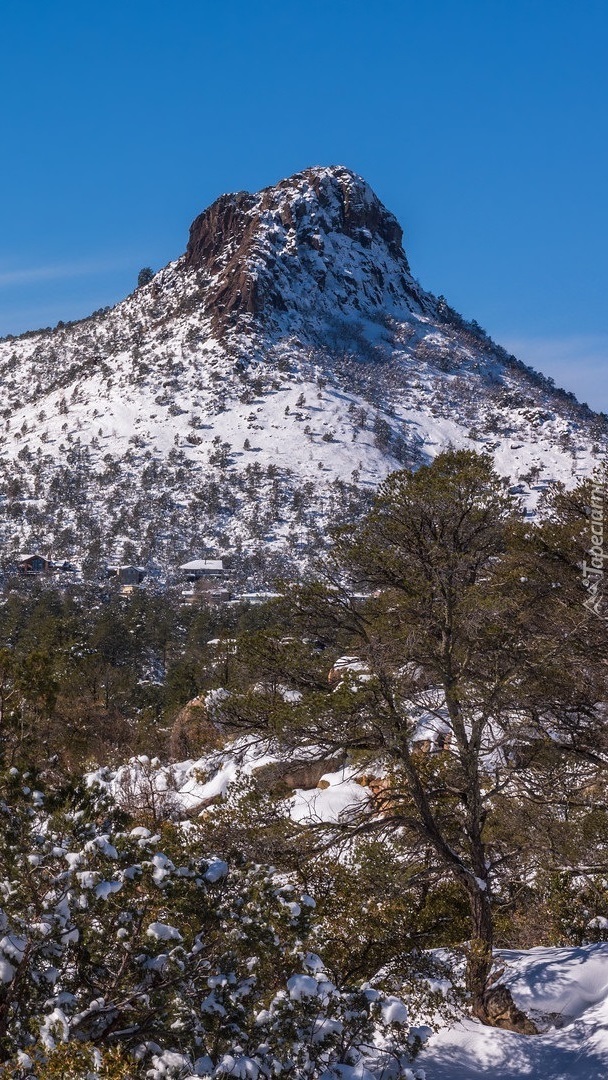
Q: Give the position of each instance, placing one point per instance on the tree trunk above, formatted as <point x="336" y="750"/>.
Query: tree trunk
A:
<point x="492" y="1005"/>
<point x="479" y="959"/>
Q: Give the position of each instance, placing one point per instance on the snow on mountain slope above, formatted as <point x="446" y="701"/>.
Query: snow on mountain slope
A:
<point x="259" y="387"/>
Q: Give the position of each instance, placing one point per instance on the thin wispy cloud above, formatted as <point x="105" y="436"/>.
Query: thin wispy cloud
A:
<point x="577" y="362"/>
<point x="30" y="275"/>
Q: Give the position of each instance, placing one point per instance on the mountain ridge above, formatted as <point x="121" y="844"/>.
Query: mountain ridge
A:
<point x="258" y="387"/>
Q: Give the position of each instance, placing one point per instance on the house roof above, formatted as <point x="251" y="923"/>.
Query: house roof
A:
<point x="33" y="555"/>
<point x="203" y="564"/>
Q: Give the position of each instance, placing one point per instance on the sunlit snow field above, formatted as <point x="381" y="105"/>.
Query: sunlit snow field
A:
<point x="565" y="990"/>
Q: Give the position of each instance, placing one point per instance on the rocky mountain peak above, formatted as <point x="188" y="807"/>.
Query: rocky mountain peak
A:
<point x="257" y="390"/>
<point x="319" y="239"/>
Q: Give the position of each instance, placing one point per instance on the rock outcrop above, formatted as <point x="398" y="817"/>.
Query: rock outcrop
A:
<point x="502" y="1012"/>
<point x="320" y="233"/>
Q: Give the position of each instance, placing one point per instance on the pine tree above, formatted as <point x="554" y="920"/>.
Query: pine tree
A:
<point x="145" y="276"/>
<point x="463" y="693"/>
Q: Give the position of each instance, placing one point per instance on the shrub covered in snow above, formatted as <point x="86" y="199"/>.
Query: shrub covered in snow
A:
<point x="114" y="942"/>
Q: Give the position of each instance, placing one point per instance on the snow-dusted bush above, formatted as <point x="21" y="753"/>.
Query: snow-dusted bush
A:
<point x="114" y="941"/>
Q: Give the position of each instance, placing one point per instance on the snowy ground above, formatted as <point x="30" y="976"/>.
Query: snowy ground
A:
<point x="565" y="988"/>
<point x="189" y="787"/>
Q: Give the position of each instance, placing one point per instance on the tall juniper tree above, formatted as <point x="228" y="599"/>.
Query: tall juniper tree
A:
<point x="469" y="632"/>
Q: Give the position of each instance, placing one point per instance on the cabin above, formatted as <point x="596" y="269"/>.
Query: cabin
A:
<point x="126" y="575"/>
<point x="206" y="569"/>
<point x="34" y="564"/>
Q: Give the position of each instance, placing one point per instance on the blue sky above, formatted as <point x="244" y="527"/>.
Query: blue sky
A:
<point x="482" y="125"/>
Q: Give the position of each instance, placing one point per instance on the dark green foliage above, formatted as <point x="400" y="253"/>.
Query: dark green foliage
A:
<point x="455" y="610"/>
<point x="90" y="674"/>
<point x="459" y="615"/>
<point x="114" y="937"/>
<point x="145" y="276"/>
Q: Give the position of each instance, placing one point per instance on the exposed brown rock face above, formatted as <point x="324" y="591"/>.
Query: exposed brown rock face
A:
<point x="289" y="775"/>
<point x="313" y="232"/>
<point x="193" y="731"/>
<point x="220" y="239"/>
<point x="502" y="1012"/>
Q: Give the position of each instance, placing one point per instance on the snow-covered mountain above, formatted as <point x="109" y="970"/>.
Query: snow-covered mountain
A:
<point x="259" y="386"/>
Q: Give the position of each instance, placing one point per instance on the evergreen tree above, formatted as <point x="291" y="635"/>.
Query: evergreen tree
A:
<point x="468" y="682"/>
<point x="145" y="276"/>
<point x="116" y="953"/>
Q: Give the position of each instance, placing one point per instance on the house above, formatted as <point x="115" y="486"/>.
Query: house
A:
<point x="203" y="568"/>
<point x="126" y="575"/>
<point x="34" y="564"/>
<point x="206" y="582"/>
<point x="212" y="594"/>
<point x="206" y="593"/>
